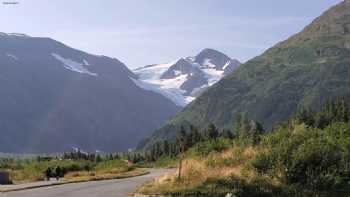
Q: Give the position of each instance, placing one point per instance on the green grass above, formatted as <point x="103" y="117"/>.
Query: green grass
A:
<point x="163" y="162"/>
<point x="28" y="170"/>
<point x="111" y="166"/>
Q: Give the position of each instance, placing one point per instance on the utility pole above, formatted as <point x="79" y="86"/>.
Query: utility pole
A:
<point x="182" y="141"/>
<point x="180" y="160"/>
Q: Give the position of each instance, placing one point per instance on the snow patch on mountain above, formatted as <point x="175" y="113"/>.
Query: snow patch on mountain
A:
<point x="175" y="95"/>
<point x="150" y="79"/>
<point x="226" y="65"/>
<point x="12" y="56"/>
<point x="213" y="75"/>
<point x="74" y="66"/>
<point x="207" y="63"/>
<point x="86" y="63"/>
<point x="152" y="72"/>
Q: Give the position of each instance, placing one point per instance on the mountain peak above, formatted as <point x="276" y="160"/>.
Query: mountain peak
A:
<point x="186" y="78"/>
<point x="210" y="54"/>
<point x="209" y="50"/>
<point x="181" y="61"/>
<point x="211" y="58"/>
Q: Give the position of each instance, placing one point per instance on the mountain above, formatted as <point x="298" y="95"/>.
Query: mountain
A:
<point x="185" y="79"/>
<point x="54" y="97"/>
<point x="306" y="70"/>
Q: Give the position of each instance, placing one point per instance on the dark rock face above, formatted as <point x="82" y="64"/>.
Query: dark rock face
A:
<point x="216" y="58"/>
<point x="179" y="68"/>
<point x="195" y="77"/>
<point x="193" y="85"/>
<point x="54" y="97"/>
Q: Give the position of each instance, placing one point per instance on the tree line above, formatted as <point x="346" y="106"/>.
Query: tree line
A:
<point x="188" y="137"/>
<point x="332" y="111"/>
<point x="241" y="128"/>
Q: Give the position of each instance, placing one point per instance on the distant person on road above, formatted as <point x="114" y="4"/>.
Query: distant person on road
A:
<point x="48" y="173"/>
<point x="58" y="172"/>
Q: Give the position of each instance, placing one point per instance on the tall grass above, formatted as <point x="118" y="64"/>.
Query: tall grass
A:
<point x="291" y="161"/>
<point x="29" y="170"/>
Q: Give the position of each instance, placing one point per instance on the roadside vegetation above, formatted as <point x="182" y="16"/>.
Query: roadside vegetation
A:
<point x="309" y="155"/>
<point x="74" y="166"/>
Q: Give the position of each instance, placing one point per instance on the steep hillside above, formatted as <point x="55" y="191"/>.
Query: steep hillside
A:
<point x="54" y="97"/>
<point x="305" y="156"/>
<point x="305" y="70"/>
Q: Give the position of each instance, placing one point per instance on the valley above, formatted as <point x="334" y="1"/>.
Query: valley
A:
<point x="198" y="122"/>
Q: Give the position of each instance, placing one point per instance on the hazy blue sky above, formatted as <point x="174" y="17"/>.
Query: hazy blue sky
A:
<point x="141" y="32"/>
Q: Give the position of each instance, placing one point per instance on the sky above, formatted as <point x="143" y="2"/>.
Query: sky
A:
<point x="143" y="32"/>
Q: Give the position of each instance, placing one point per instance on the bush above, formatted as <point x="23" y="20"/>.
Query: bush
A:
<point x="262" y="163"/>
<point x="308" y="158"/>
<point x="312" y="161"/>
<point x="207" y="147"/>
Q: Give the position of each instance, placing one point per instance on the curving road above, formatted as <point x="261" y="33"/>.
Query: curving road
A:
<point x="110" y="188"/>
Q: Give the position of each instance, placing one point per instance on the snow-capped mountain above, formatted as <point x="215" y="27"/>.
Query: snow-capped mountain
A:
<point x="183" y="80"/>
<point x="54" y="97"/>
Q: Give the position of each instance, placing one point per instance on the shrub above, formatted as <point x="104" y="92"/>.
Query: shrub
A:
<point x="262" y="163"/>
<point x="313" y="162"/>
<point x="308" y="158"/>
<point x="207" y="147"/>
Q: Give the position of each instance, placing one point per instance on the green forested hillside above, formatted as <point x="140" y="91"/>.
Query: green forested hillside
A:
<point x="308" y="155"/>
<point x="306" y="70"/>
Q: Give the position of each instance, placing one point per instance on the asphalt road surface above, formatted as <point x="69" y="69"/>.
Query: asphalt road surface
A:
<point x="110" y="188"/>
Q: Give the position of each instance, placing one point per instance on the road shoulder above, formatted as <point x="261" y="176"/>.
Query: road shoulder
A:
<point x="33" y="185"/>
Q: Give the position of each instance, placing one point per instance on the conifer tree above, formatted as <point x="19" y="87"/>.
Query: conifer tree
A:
<point x="195" y="135"/>
<point x="237" y="124"/>
<point x="166" y="148"/>
<point x="213" y="132"/>
<point x="226" y="133"/>
<point x="182" y="137"/>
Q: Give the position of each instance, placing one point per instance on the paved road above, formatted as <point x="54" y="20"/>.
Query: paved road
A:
<point x="111" y="188"/>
